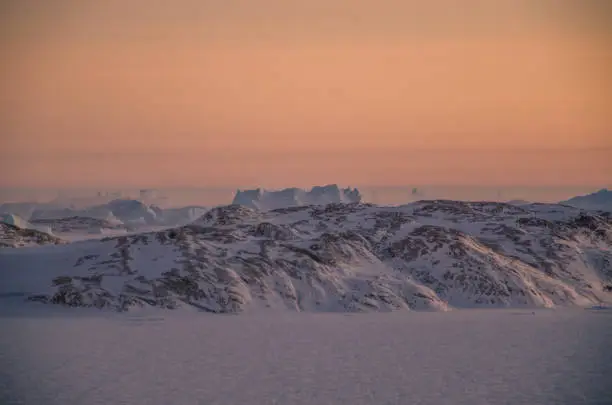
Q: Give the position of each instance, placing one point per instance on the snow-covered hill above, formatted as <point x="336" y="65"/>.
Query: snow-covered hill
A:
<point x="130" y="213"/>
<point x="265" y="200"/>
<point x="341" y="257"/>
<point x="83" y="225"/>
<point x="126" y="211"/>
<point x="598" y="201"/>
<point x="97" y="212"/>
<point x="12" y="236"/>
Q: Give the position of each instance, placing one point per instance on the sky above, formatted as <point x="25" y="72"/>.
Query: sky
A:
<point x="279" y="93"/>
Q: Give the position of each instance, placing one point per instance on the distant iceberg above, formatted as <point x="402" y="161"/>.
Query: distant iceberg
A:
<point x="21" y="223"/>
<point x="265" y="200"/>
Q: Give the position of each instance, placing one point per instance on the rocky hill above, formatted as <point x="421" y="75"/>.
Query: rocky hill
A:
<point x="429" y="255"/>
<point x="598" y="201"/>
<point x="12" y="236"/>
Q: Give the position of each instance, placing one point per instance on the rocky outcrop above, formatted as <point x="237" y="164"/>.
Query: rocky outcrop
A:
<point x="13" y="237"/>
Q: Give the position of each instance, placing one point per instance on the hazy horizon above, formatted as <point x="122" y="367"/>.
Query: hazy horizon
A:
<point x="211" y="196"/>
<point x="278" y="94"/>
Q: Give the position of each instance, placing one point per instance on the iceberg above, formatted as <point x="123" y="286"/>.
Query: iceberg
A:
<point x="265" y="200"/>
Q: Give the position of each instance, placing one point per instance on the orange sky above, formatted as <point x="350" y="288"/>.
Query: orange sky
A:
<point x="278" y="93"/>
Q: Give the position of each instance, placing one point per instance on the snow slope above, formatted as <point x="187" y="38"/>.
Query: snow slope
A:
<point x="126" y="211"/>
<point x="12" y="236"/>
<point x="131" y="213"/>
<point x="97" y="212"/>
<point x="341" y="257"/>
<point x="15" y="220"/>
<point x="294" y="197"/>
<point x="598" y="201"/>
<point x="80" y="228"/>
<point x="79" y="224"/>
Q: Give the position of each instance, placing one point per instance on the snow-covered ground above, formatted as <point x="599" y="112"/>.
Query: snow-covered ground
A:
<point x="297" y="275"/>
<point x="50" y="355"/>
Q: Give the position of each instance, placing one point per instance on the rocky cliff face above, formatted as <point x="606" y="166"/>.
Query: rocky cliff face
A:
<point x="430" y="255"/>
